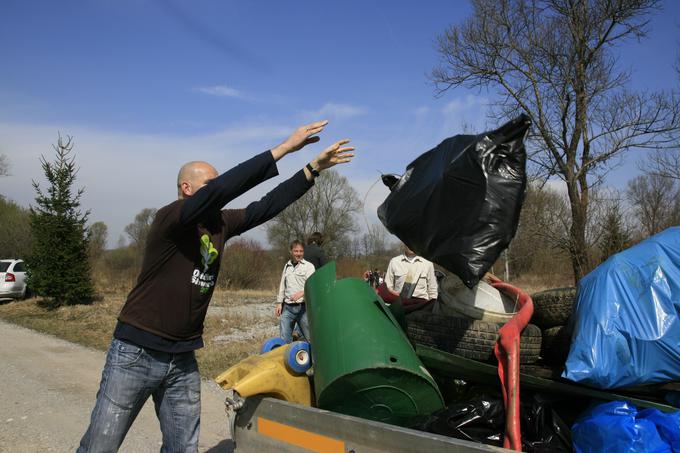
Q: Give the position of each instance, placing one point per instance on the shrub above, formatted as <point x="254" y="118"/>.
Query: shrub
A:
<point x="246" y="265"/>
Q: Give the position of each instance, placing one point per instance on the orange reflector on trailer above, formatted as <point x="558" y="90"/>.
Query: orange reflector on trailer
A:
<point x="299" y="437"/>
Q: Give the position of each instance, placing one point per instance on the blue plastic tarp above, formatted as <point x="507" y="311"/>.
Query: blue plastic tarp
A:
<point x="626" y="326"/>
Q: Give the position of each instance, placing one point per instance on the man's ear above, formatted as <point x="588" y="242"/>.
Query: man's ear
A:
<point x="187" y="190"/>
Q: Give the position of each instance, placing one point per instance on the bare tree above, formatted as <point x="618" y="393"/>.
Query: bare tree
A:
<point x="556" y="61"/>
<point x="664" y="163"/>
<point x="139" y="229"/>
<point x="655" y="201"/>
<point x="96" y="235"/>
<point x="4" y="165"/>
<point x="16" y="239"/>
<point x="374" y="241"/>
<point x="329" y="207"/>
<point x="543" y="232"/>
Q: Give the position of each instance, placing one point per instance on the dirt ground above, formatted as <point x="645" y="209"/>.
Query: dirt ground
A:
<point x="48" y="391"/>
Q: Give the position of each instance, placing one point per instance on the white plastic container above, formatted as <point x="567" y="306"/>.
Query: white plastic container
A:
<point x="483" y="302"/>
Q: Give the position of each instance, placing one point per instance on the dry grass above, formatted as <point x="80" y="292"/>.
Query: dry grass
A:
<point x="226" y="298"/>
<point x="89" y="325"/>
<point x="237" y="324"/>
<point x="532" y="283"/>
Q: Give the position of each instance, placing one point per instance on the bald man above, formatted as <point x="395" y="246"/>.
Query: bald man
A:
<point x="160" y="325"/>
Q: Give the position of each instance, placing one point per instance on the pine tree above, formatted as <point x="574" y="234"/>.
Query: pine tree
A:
<point x="58" y="265"/>
<point x="616" y="236"/>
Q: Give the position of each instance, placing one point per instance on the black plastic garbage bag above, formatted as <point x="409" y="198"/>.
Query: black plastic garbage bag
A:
<point x="482" y="419"/>
<point x="543" y="431"/>
<point x="458" y="204"/>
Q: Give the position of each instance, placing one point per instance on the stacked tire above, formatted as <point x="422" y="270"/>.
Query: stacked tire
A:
<point x="552" y="310"/>
<point x="468" y="338"/>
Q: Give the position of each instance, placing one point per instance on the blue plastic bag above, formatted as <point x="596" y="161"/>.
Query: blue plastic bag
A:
<point x="615" y="427"/>
<point x="668" y="426"/>
<point x="626" y="326"/>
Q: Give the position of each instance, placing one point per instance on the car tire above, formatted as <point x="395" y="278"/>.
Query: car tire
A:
<point x="544" y="370"/>
<point x="553" y="307"/>
<point x="469" y="338"/>
<point x="555" y="345"/>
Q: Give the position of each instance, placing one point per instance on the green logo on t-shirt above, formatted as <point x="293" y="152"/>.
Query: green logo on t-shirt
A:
<point x="208" y="252"/>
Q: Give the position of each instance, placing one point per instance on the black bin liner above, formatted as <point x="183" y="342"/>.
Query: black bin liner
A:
<point x="482" y="419"/>
<point x="458" y="204"/>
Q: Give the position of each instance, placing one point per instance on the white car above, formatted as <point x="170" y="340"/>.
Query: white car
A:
<point x="12" y="279"/>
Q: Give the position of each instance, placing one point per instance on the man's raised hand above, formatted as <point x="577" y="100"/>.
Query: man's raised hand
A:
<point x="303" y="136"/>
<point x="335" y="154"/>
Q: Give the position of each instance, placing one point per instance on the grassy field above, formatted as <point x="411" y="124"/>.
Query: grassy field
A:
<point x="237" y="324"/>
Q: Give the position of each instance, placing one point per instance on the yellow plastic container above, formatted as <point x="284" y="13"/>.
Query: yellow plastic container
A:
<point x="267" y="374"/>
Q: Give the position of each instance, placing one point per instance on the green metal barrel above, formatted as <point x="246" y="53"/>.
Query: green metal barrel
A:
<point x="363" y="363"/>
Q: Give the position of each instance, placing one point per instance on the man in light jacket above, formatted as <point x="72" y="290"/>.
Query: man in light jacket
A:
<point x="290" y="302"/>
<point x="411" y="277"/>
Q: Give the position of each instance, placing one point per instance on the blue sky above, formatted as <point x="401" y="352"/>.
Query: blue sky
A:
<point x="144" y="86"/>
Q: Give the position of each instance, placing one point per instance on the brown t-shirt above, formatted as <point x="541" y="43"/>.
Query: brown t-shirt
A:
<point x="185" y="244"/>
<point x="178" y="273"/>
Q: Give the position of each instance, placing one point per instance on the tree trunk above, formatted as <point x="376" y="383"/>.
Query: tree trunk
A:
<point x="578" y="249"/>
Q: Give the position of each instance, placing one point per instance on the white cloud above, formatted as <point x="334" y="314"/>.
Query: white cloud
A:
<point x="464" y="115"/>
<point x="372" y="192"/>
<point x="331" y="110"/>
<point x="221" y="91"/>
<point x="556" y="185"/>
<point x="464" y="106"/>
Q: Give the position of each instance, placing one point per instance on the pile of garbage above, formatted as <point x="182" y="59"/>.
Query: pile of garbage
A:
<point x="458" y="205"/>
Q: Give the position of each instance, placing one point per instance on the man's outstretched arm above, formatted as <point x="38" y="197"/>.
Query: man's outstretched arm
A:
<point x="287" y="192"/>
<point x="235" y="182"/>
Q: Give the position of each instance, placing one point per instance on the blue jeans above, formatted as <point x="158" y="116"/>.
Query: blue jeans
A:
<point x="132" y="374"/>
<point x="291" y="314"/>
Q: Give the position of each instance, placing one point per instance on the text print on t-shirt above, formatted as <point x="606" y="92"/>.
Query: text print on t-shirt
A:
<point x="208" y="255"/>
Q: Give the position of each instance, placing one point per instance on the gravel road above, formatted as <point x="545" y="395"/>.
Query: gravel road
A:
<point x="48" y="388"/>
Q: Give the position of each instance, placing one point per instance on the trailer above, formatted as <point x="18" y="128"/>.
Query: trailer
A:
<point x="372" y="382"/>
<point x="272" y="425"/>
<point x="261" y="424"/>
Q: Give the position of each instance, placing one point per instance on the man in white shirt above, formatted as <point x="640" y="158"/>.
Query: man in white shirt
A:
<point x="290" y="302"/>
<point x="411" y="277"/>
